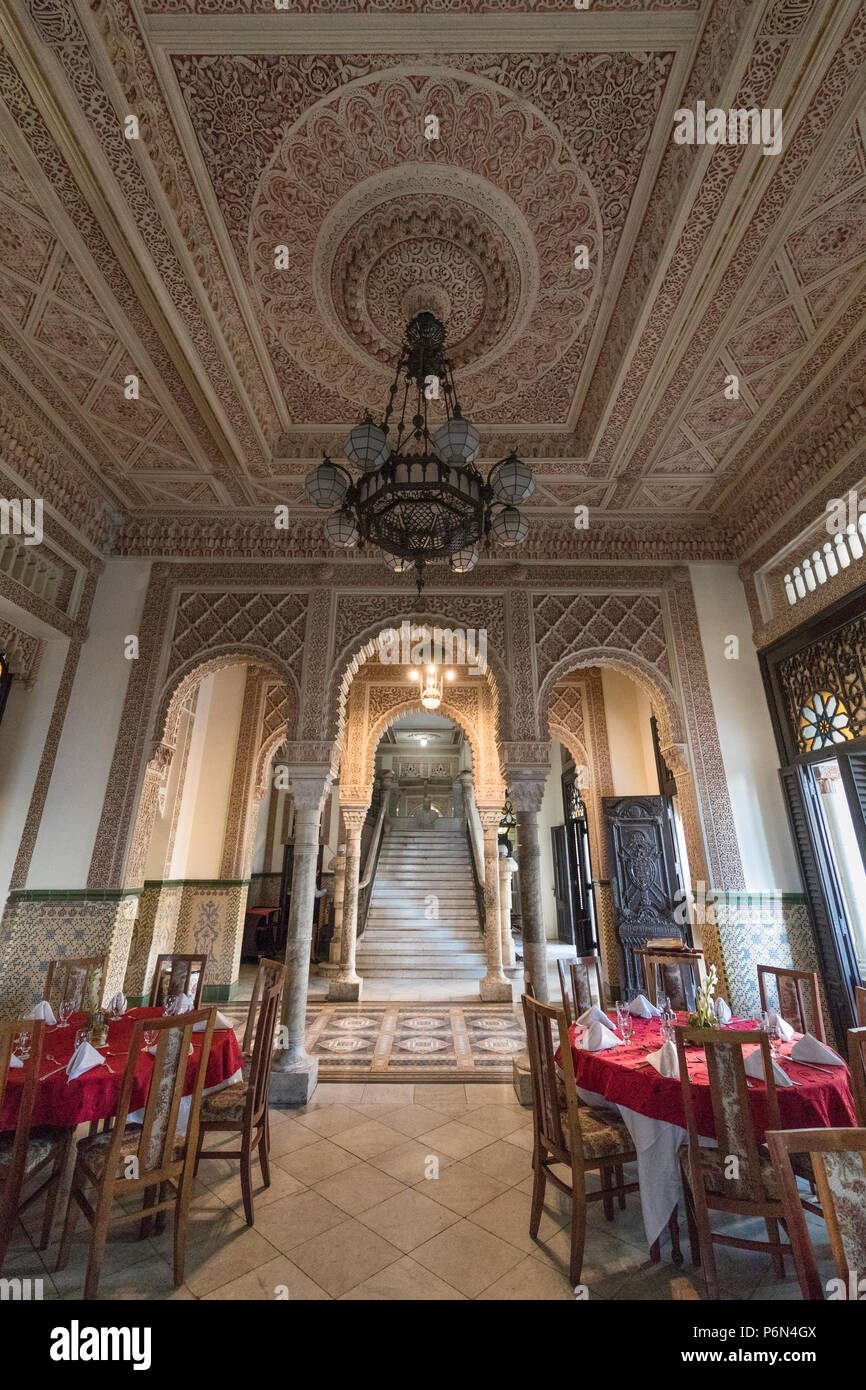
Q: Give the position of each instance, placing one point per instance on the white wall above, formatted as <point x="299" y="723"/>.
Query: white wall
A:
<point x="627" y="711"/>
<point x="67" y="834"/>
<point x="207" y="787"/>
<point x="551" y="814"/>
<point x="745" y="732"/>
<point x="22" y="742"/>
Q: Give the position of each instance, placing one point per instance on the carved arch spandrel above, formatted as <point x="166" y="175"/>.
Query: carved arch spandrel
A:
<point x="206" y="663"/>
<point x="661" y="696"/>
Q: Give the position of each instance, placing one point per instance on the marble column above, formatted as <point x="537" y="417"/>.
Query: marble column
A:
<point x="348" y="984"/>
<point x="338" y="864"/>
<point x="527" y="793"/>
<point x="494" y="986"/>
<point x="507" y="867"/>
<point x="295" y="1072"/>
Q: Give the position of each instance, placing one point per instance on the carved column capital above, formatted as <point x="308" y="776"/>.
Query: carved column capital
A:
<point x="310" y="786"/>
<point x="676" y="755"/>
<point x="526" y="785"/>
<point x="353" y="817"/>
<point x="490" y="816"/>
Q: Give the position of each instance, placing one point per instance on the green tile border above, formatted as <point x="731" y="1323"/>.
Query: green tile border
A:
<point x="196" y="883"/>
<point x="73" y="894"/>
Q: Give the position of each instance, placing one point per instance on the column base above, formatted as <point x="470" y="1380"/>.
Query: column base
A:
<point x="521" y="1079"/>
<point x="345" y="991"/>
<point x="327" y="969"/>
<point x="513" y="972"/>
<point x="295" y="1085"/>
<point x="497" y="991"/>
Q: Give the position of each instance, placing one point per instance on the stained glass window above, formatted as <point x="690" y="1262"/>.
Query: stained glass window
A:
<point x="824" y="720"/>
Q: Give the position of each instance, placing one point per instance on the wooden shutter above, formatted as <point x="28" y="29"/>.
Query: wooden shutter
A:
<point x="853" y="769"/>
<point x="830" y="924"/>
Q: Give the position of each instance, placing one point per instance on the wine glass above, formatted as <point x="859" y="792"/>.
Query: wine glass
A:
<point x="775" y="1037"/>
<point x="626" y="1026"/>
<point x="22" y="1046"/>
<point x="65" y="1012"/>
<point x="150" y="1036"/>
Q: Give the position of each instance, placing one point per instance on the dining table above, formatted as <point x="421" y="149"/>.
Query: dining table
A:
<point x="651" y="1105"/>
<point x="95" y="1094"/>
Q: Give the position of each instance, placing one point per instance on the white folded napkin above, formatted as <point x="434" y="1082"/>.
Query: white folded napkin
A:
<point x="15" y="1061"/>
<point x="219" y="1022"/>
<point x="593" y="1015"/>
<point x="665" y="1061"/>
<point x="117" y="1003"/>
<point x="597" y="1038"/>
<point x="809" y="1049"/>
<point x="755" y="1067"/>
<point x="641" y="1007"/>
<point x="43" y="1010"/>
<point x="180" y="1004"/>
<point x="152" y="1050"/>
<point x="722" y="1011"/>
<point x="83" y="1059"/>
<point x="786" y="1032"/>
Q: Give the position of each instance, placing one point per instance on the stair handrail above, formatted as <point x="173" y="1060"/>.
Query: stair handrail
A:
<point x="480" y="905"/>
<point x="370" y="867"/>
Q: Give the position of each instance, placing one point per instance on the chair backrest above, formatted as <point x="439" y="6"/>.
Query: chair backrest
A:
<point x="81" y="981"/>
<point x="177" y="974"/>
<point x="267" y="973"/>
<point x="729" y="1094"/>
<point x="838" y="1158"/>
<point x="583" y="975"/>
<point x="263" y="1048"/>
<point x="552" y="1122"/>
<point x="673" y="974"/>
<point x="157" y="1156"/>
<point x="860" y="1004"/>
<point x="797" y="998"/>
<point x="29" y="1073"/>
<point x="857" y="1068"/>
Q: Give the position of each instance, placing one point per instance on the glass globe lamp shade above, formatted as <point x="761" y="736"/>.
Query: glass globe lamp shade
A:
<point x="512" y="481"/>
<point x="341" y="529"/>
<point x="457" y="442"/>
<point x="326" y="485"/>
<point x="398" y="564"/>
<point x="464" y="560"/>
<point x="366" y="446"/>
<point x="509" y="526"/>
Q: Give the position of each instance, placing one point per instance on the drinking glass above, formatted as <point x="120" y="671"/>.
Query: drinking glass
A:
<point x="22" y="1046"/>
<point x="65" y="1011"/>
<point x="626" y="1026"/>
<point x="80" y="1036"/>
<point x="150" y="1035"/>
<point x="775" y="1039"/>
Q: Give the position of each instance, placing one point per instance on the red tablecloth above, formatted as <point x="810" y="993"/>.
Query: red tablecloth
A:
<point x="95" y="1094"/>
<point x="817" y="1100"/>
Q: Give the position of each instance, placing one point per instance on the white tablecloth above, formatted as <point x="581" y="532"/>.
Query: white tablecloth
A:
<point x="136" y="1117"/>
<point x="657" y="1145"/>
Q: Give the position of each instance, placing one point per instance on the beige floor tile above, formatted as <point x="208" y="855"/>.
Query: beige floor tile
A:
<point x="316" y="1161"/>
<point x="502" y="1160"/>
<point x="408" y="1218"/>
<point x="607" y="1262"/>
<point x="150" y="1279"/>
<point x="410" y="1161"/>
<point x="435" y="1093"/>
<point x="359" y="1187"/>
<point x="467" y="1257"/>
<point x="495" y="1093"/>
<point x="266" y="1281"/>
<point x="337" y="1093"/>
<point x="461" y="1188"/>
<point x="223" y="1179"/>
<point x="410" y="1120"/>
<point x="388" y="1093"/>
<point x="507" y="1216"/>
<point x="345" y="1256"/>
<point x="496" y="1120"/>
<point x="530" y="1280"/>
<point x="219" y="1250"/>
<point x="292" y="1220"/>
<point x="403" y="1281"/>
<point x="522" y="1138"/>
<point x="455" y="1139"/>
<point x="288" y="1134"/>
<point x="328" y="1120"/>
<point x="368" y="1139"/>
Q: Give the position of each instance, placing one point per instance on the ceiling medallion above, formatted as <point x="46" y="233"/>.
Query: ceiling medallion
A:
<point x="421" y="499"/>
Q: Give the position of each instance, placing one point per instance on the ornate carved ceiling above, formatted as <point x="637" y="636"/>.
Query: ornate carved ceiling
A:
<point x="309" y="128"/>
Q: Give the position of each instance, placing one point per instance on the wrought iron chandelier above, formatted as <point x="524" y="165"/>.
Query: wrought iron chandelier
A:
<point x="420" y="498"/>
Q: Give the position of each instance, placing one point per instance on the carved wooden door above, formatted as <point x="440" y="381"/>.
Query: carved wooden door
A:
<point x="645" y="876"/>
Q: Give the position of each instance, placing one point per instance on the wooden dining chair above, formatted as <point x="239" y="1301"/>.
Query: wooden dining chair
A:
<point x="267" y="973"/>
<point x="578" y="979"/>
<point x="792" y="988"/>
<point x="243" y="1107"/>
<point x="584" y="1140"/>
<point x="860" y="1004"/>
<point x="838" y="1160"/>
<point x="153" y="1157"/>
<point x="738" y="1176"/>
<point x="674" y="973"/>
<point x="81" y="982"/>
<point x="857" y="1068"/>
<point x="177" y="974"/>
<point x="27" y="1154"/>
